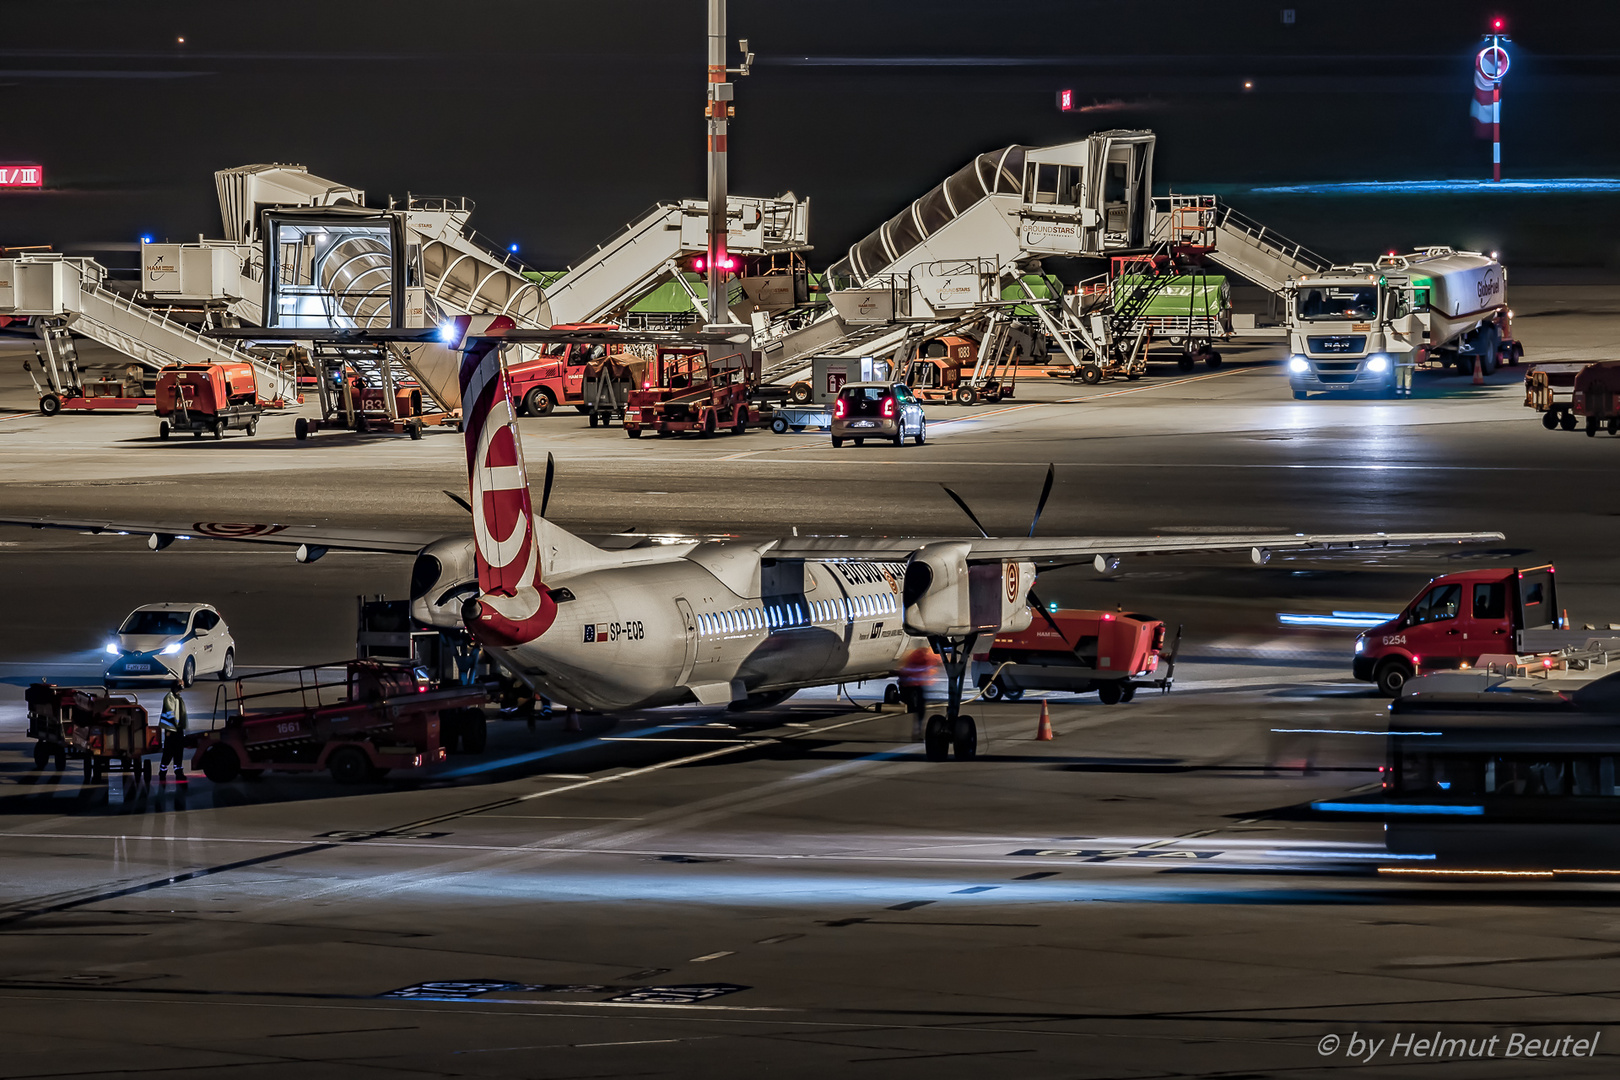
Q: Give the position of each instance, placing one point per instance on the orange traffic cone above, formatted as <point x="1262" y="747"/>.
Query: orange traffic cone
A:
<point x="1044" y="732"/>
<point x="1479" y="375"/>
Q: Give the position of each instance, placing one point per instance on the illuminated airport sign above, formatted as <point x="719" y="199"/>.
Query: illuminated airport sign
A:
<point x="22" y="176"/>
<point x="1065" y="100"/>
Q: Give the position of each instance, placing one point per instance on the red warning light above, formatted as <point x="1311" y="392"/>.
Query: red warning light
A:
<point x="1496" y="24"/>
<point x="1065" y="100"/>
<point x="698" y="264"/>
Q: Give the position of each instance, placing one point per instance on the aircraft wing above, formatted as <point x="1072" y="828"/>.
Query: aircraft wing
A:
<point x="381" y="541"/>
<point x="1072" y="550"/>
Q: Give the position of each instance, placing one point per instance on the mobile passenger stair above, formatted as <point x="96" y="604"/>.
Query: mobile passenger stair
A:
<point x="950" y="253"/>
<point x="61" y="296"/>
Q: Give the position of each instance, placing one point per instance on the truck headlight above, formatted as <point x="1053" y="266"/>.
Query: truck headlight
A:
<point x="1298" y="365"/>
<point x="112" y="648"/>
<point x="171" y="648"/>
<point x="1378" y="364"/>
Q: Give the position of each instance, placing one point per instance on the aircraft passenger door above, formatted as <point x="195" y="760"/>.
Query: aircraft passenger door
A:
<point x="690" y="628"/>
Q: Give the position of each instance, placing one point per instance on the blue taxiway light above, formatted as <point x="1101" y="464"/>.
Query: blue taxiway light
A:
<point x="1338" y="618"/>
<point x="1339" y="731"/>
<point x="1574" y="185"/>
<point x="1398" y="808"/>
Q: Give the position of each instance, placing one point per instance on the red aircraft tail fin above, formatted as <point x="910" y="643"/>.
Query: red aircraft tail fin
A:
<point x="513" y="605"/>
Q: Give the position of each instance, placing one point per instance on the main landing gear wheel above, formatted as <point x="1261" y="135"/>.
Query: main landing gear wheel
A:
<point x="937" y="738"/>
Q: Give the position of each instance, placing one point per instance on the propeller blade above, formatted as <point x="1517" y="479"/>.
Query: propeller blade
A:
<point x="458" y="500"/>
<point x="1046" y="491"/>
<point x="1047" y="615"/>
<point x="545" y="492"/>
<point x="966" y="511"/>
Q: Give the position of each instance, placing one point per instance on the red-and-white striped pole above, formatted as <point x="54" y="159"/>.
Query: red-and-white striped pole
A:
<point x="1496" y="132"/>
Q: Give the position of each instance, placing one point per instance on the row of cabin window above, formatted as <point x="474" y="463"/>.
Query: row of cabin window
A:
<point x="778" y="616"/>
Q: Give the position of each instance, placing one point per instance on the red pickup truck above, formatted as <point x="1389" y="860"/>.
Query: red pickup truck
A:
<point x="1456" y="619"/>
<point x="559" y="375"/>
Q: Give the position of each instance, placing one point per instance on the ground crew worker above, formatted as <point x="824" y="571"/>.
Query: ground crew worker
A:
<point x="1405" y="366"/>
<point x="172" y="719"/>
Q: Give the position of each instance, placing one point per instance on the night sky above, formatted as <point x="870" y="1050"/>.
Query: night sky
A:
<point x="564" y="120"/>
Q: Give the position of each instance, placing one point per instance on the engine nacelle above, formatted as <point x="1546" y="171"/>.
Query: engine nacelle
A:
<point x="444" y="578"/>
<point x="947" y="596"/>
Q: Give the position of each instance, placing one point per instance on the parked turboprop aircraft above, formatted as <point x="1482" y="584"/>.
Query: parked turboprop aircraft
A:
<point x="709" y="621"/>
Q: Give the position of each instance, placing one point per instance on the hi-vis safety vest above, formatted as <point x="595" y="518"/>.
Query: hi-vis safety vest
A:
<point x="173" y="716"/>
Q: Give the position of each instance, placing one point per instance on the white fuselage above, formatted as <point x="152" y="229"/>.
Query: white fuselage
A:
<point x="664" y="632"/>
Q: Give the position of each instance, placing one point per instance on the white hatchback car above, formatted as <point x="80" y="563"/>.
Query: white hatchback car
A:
<point x="165" y="642"/>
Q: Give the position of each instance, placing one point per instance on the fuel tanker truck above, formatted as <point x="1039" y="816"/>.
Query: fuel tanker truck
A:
<point x="1350" y="326"/>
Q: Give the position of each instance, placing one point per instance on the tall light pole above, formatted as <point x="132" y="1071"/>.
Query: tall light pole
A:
<point x="1490" y="65"/>
<point x="718" y="111"/>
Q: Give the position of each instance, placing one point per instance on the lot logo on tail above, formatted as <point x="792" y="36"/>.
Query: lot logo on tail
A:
<point x="512" y="606"/>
